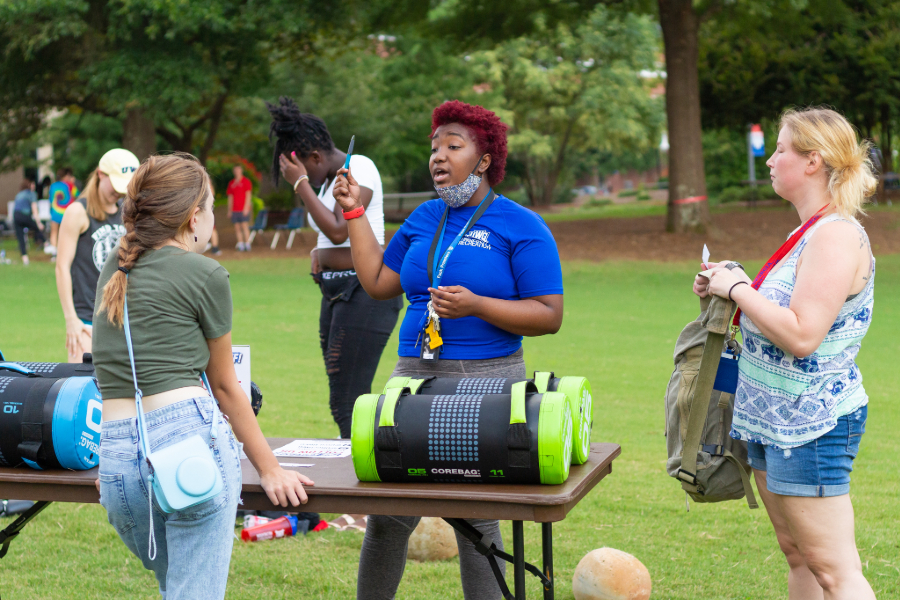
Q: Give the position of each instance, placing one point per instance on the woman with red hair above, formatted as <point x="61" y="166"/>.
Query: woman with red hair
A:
<point x="467" y="312"/>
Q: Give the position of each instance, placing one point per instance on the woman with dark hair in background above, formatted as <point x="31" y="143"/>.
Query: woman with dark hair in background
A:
<point x="25" y="216"/>
<point x="503" y="281"/>
<point x="353" y="327"/>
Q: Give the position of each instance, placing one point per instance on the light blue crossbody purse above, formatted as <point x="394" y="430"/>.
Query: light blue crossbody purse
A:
<point x="181" y="475"/>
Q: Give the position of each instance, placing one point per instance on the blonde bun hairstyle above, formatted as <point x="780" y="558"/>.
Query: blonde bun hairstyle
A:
<point x="850" y="173"/>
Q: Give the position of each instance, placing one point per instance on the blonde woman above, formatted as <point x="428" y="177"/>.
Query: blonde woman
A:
<point x="800" y="403"/>
<point x="90" y="230"/>
<point x="179" y="307"/>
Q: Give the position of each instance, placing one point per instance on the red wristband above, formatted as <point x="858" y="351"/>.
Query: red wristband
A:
<point x="356" y="212"/>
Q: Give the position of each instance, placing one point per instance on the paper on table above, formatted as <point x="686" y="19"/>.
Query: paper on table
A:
<point x="315" y="449"/>
<point x="294" y="464"/>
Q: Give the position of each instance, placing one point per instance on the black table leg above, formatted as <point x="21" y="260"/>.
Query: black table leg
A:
<point x="547" y="545"/>
<point x="10" y="533"/>
<point x="519" y="559"/>
<point x="485" y="546"/>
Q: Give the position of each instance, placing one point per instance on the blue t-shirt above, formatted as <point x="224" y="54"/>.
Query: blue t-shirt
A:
<point x="508" y="254"/>
<point x="24" y="200"/>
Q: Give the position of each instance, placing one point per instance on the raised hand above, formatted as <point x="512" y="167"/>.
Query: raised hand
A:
<point x="346" y="191"/>
<point x="291" y="167"/>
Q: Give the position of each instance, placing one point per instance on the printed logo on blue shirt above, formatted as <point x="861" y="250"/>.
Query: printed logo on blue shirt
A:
<point x="477" y="238"/>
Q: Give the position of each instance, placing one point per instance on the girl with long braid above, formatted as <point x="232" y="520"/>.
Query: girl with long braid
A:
<point x="179" y="307"/>
<point x="353" y="327"/>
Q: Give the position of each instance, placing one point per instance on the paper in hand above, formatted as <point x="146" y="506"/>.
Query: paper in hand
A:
<point x="705" y="260"/>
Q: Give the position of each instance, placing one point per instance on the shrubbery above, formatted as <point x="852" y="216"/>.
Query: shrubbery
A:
<point x="745" y="194"/>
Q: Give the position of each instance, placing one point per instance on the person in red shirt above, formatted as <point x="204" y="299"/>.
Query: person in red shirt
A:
<point x="239" y="204"/>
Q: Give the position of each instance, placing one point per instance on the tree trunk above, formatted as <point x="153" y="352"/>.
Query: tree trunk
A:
<point x="215" y="118"/>
<point x="138" y="134"/>
<point x="887" y="161"/>
<point x="688" y="209"/>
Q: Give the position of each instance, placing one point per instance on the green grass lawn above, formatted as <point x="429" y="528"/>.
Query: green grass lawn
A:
<point x="621" y="321"/>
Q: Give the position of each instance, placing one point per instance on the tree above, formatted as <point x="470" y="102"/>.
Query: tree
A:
<point x="164" y="68"/>
<point x="832" y="52"/>
<point x="572" y="87"/>
<point x="688" y="208"/>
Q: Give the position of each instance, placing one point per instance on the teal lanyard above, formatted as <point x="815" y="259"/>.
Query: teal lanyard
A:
<point x="437" y="267"/>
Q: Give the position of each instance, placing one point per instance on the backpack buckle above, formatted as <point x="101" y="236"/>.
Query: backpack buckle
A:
<point x="714" y="449"/>
<point x="686" y="476"/>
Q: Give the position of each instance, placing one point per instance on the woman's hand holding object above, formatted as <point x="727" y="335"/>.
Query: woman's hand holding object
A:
<point x="454" y="301"/>
<point x="702" y="283"/>
<point x="346" y="191"/>
<point x="722" y="280"/>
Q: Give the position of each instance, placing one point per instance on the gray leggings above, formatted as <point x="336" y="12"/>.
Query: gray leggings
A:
<point x="383" y="556"/>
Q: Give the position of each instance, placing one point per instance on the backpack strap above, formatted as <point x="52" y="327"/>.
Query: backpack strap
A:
<point x="745" y="479"/>
<point x="709" y="364"/>
<point x="716" y="320"/>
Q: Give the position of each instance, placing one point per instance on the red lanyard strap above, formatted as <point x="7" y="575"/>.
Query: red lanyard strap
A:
<point x="783" y="251"/>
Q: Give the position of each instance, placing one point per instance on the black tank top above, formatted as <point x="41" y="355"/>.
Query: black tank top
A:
<point x="94" y="246"/>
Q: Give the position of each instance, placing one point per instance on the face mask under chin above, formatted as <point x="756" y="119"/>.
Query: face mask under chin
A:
<point x="457" y="195"/>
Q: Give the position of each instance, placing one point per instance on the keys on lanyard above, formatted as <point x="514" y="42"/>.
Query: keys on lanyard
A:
<point x="432" y="342"/>
<point x="430" y="325"/>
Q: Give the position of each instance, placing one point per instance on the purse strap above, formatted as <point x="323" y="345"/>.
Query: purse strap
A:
<point x="138" y="394"/>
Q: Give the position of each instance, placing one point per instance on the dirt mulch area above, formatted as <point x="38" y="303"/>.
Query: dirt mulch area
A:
<point x="750" y="235"/>
<point x="741" y="235"/>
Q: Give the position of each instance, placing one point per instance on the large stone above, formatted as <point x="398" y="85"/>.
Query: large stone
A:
<point x="433" y="539"/>
<point x="610" y="574"/>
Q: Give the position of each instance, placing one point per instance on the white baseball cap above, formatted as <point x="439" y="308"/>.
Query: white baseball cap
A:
<point x="120" y="165"/>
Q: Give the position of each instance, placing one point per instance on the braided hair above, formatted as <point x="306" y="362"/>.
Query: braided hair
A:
<point x="161" y="200"/>
<point x="296" y="132"/>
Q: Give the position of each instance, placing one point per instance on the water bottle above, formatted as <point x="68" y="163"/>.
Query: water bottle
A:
<point x="278" y="528"/>
<point x="3" y="259"/>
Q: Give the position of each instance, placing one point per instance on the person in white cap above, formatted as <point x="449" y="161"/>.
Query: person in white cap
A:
<point x="90" y="230"/>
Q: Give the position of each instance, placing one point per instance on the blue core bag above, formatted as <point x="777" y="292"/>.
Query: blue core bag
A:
<point x="48" y="421"/>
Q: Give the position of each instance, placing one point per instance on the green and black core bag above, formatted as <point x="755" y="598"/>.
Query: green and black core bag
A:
<point x="577" y="389"/>
<point x="522" y="437"/>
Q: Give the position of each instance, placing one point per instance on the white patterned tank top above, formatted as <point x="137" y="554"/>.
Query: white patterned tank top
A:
<point x="785" y="401"/>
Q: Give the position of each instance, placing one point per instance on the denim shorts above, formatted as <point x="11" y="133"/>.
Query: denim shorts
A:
<point x="239" y="217"/>
<point x="816" y="469"/>
<point x="193" y="545"/>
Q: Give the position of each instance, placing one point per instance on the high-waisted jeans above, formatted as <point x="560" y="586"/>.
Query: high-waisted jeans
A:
<point x="383" y="556"/>
<point x="193" y="545"/>
<point x="353" y="331"/>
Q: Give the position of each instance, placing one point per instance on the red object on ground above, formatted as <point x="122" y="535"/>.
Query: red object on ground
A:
<point x="323" y="525"/>
<point x="278" y="528"/>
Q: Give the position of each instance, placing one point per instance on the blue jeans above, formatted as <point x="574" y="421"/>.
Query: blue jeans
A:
<point x="193" y="545"/>
<point x="817" y="469"/>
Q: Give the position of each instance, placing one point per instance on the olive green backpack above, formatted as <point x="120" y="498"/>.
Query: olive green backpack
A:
<point x="703" y="457"/>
